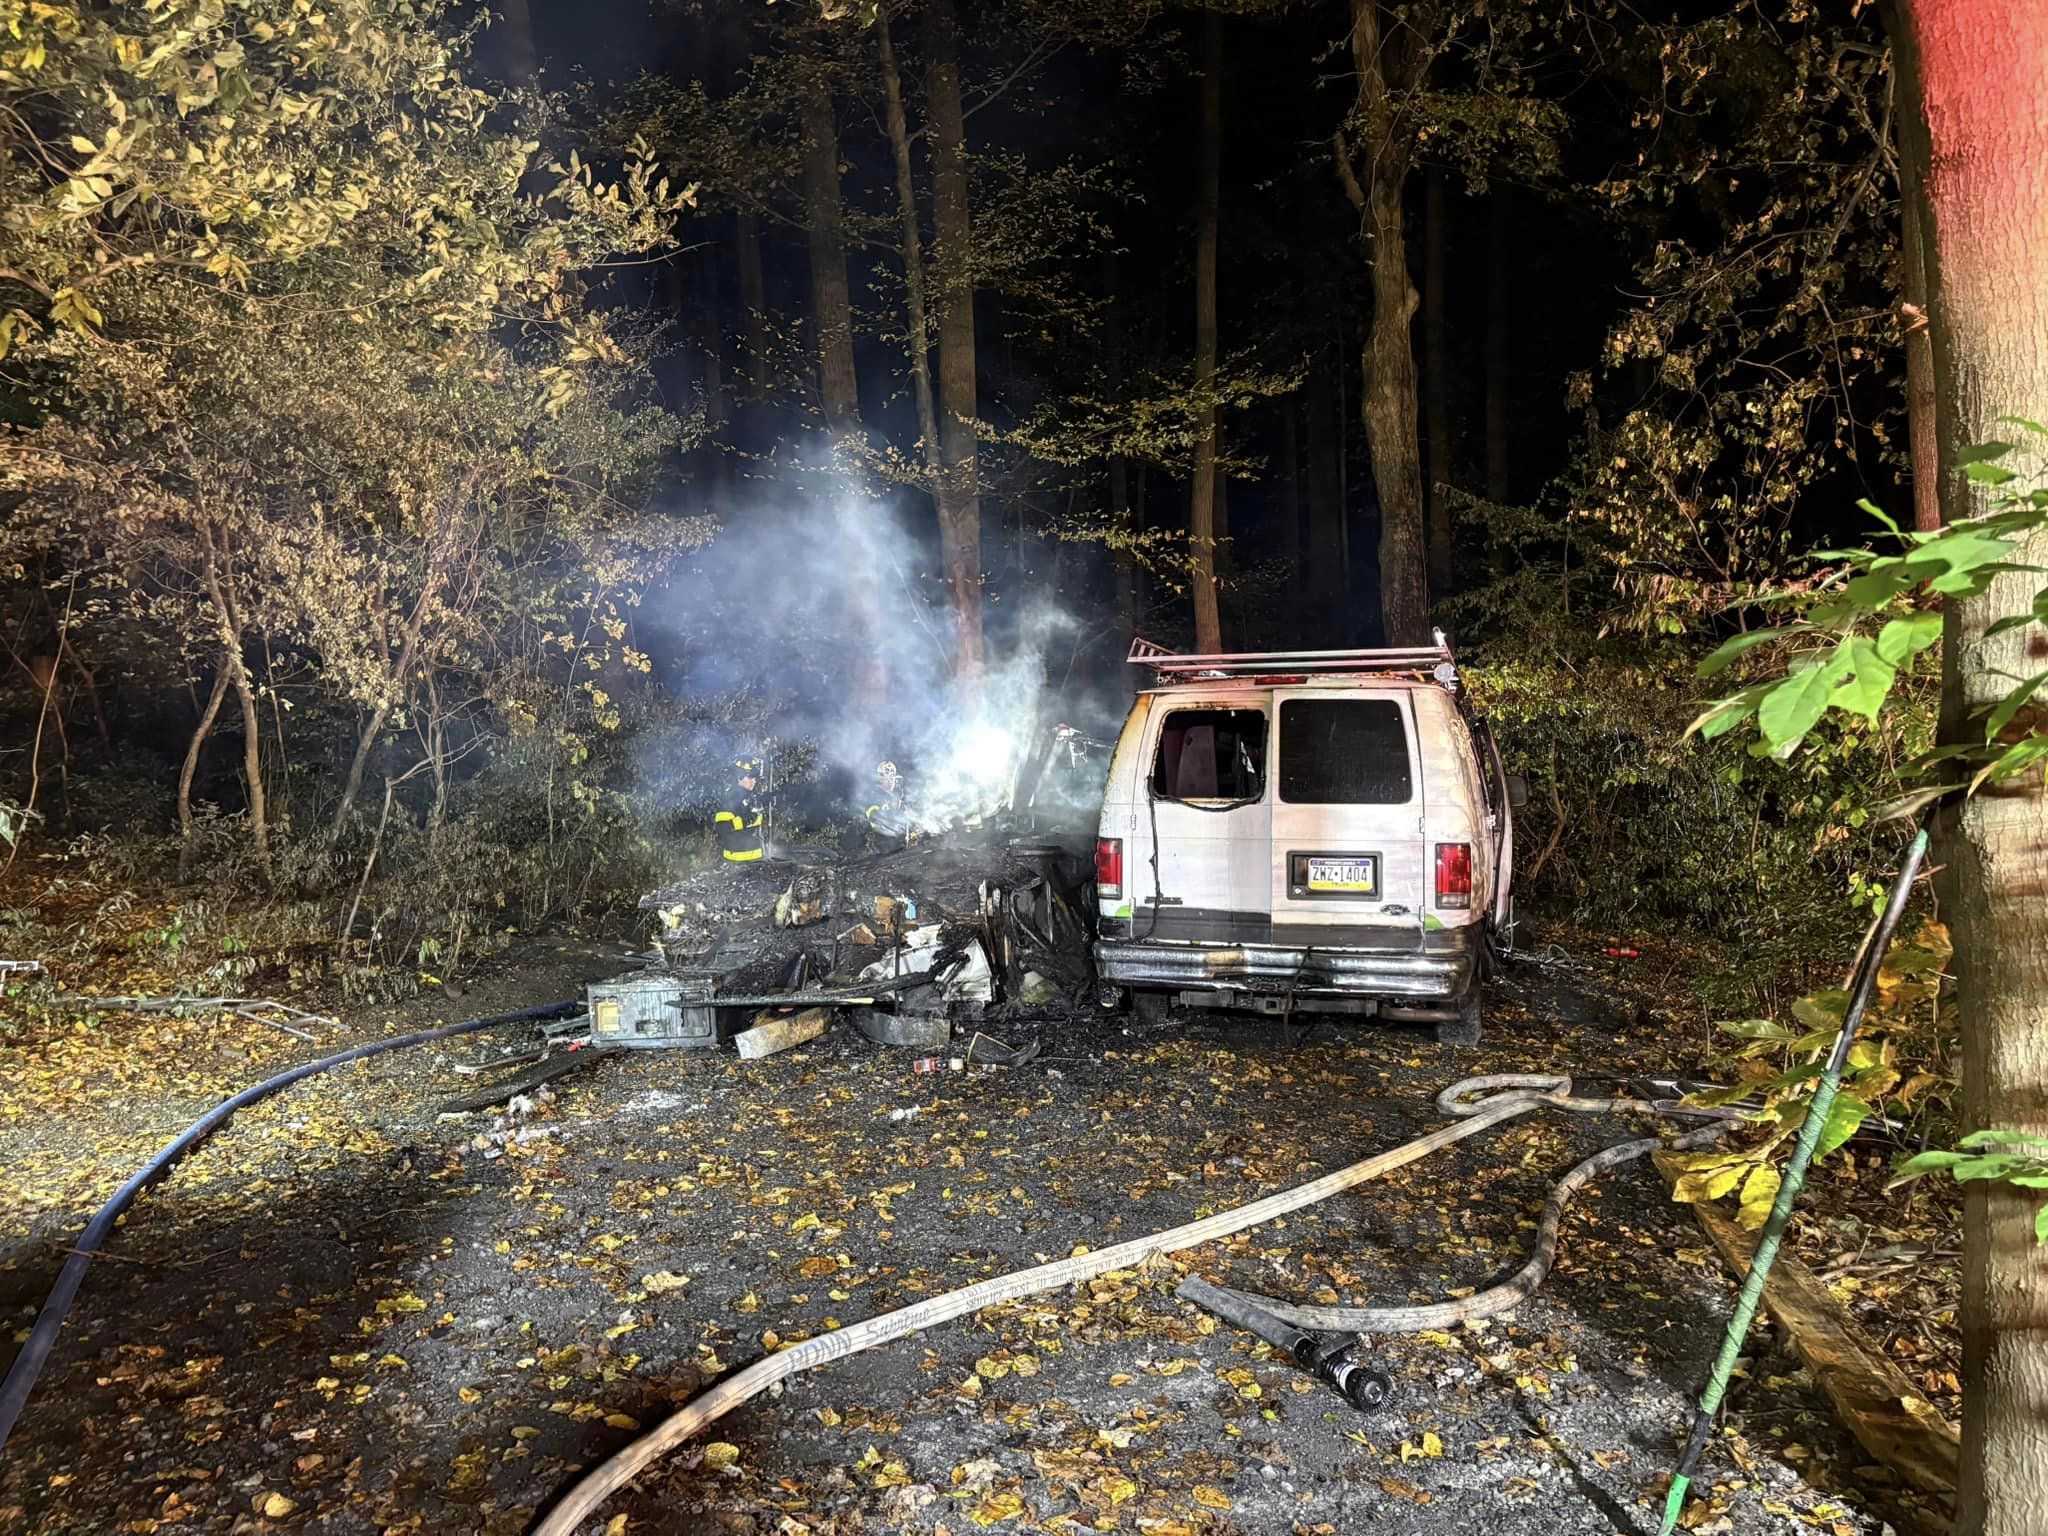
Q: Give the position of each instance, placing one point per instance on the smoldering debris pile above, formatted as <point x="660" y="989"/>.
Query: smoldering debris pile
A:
<point x="909" y="944"/>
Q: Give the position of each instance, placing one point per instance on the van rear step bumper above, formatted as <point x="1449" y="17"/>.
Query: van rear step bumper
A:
<point x="1435" y="967"/>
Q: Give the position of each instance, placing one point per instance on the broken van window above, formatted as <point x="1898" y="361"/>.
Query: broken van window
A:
<point x="1211" y="754"/>
<point x="1344" y="752"/>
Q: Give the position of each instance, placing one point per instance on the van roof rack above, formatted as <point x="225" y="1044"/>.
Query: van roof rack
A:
<point x="1434" y="659"/>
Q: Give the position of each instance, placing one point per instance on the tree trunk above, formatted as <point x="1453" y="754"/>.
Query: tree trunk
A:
<point x="1436" y="392"/>
<point x="916" y="339"/>
<point x="1202" y="497"/>
<point x="754" y="299"/>
<point x="960" y="521"/>
<point x="1387" y="403"/>
<point x="217" y="569"/>
<point x="1923" y="427"/>
<point x="831" y="298"/>
<point x="191" y="767"/>
<point x="1498" y="297"/>
<point x="1971" y="76"/>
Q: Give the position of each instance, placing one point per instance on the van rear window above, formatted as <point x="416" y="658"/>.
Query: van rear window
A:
<point x="1211" y="754"/>
<point x="1344" y="752"/>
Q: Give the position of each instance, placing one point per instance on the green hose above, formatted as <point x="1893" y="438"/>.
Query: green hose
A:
<point x="1794" y="1179"/>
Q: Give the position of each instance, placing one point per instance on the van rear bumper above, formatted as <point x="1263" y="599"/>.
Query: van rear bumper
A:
<point x="1349" y="962"/>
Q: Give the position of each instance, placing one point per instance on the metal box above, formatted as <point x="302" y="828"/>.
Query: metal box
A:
<point x="654" y="1009"/>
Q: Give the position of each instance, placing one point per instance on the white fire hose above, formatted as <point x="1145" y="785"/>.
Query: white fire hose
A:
<point x="1516" y="1094"/>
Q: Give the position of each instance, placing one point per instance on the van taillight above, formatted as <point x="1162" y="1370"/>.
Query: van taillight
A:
<point x="1109" y="866"/>
<point x="1453" y="874"/>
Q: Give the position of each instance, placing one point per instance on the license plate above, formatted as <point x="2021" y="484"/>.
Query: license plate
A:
<point x="1352" y="877"/>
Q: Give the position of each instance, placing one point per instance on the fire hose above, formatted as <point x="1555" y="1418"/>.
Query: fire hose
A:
<point x="1511" y="1096"/>
<point x="42" y="1338"/>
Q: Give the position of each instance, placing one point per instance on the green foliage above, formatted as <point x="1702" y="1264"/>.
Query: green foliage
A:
<point x="1856" y="630"/>
<point x="1762" y="359"/>
<point x="1850" y="636"/>
<point x="310" y="373"/>
<point x="2009" y="1157"/>
<point x="1896" y="1068"/>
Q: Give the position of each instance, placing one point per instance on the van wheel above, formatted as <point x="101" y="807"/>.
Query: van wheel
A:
<point x="1150" y="1009"/>
<point x="1465" y="1028"/>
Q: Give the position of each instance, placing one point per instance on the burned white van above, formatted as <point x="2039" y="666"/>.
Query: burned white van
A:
<point x="1305" y="832"/>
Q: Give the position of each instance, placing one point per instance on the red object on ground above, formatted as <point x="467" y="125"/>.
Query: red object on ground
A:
<point x="1621" y="952"/>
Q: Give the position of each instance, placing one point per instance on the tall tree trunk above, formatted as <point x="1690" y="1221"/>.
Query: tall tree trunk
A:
<point x="917" y="334"/>
<point x="1387" y="404"/>
<point x="960" y="515"/>
<point x="1498" y="297"/>
<point x="1329" y="584"/>
<point x="753" y="298"/>
<point x="831" y="298"/>
<point x="190" y="769"/>
<point x="1202" y="496"/>
<point x="1436" y="392"/>
<point x="1972" y="73"/>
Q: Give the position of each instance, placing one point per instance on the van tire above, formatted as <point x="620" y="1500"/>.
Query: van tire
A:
<point x="1466" y="1028"/>
<point x="1150" y="1009"/>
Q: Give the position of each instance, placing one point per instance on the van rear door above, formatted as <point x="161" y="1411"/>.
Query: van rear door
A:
<point x="1347" y="821"/>
<point x="1203" y="795"/>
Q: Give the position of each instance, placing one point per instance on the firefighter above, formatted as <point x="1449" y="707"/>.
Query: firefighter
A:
<point x="891" y="815"/>
<point x="740" y="836"/>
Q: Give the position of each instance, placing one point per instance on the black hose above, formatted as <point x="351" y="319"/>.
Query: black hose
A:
<point x="42" y="1338"/>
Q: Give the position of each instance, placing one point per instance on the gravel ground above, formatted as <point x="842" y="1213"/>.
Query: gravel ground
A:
<point x="342" y="1315"/>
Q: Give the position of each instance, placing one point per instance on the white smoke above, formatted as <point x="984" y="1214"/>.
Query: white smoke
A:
<point x="820" y="620"/>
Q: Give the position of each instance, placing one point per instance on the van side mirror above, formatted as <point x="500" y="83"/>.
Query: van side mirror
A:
<point x="1518" y="791"/>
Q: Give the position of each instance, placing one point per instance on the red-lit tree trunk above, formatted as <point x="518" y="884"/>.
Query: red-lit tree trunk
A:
<point x="1375" y="171"/>
<point x="1981" y="71"/>
<point x="960" y="511"/>
<point x="1202" y="495"/>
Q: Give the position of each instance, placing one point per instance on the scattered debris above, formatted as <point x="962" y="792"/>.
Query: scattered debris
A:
<point x="809" y="898"/>
<point x="918" y="1031"/>
<point x="257" y="1010"/>
<point x="509" y="1089"/>
<point x="780" y="1032"/>
<point x="986" y="1050"/>
<point x="21" y="968"/>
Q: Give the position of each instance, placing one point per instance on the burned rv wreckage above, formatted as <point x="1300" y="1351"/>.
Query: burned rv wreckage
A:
<point x="936" y="921"/>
